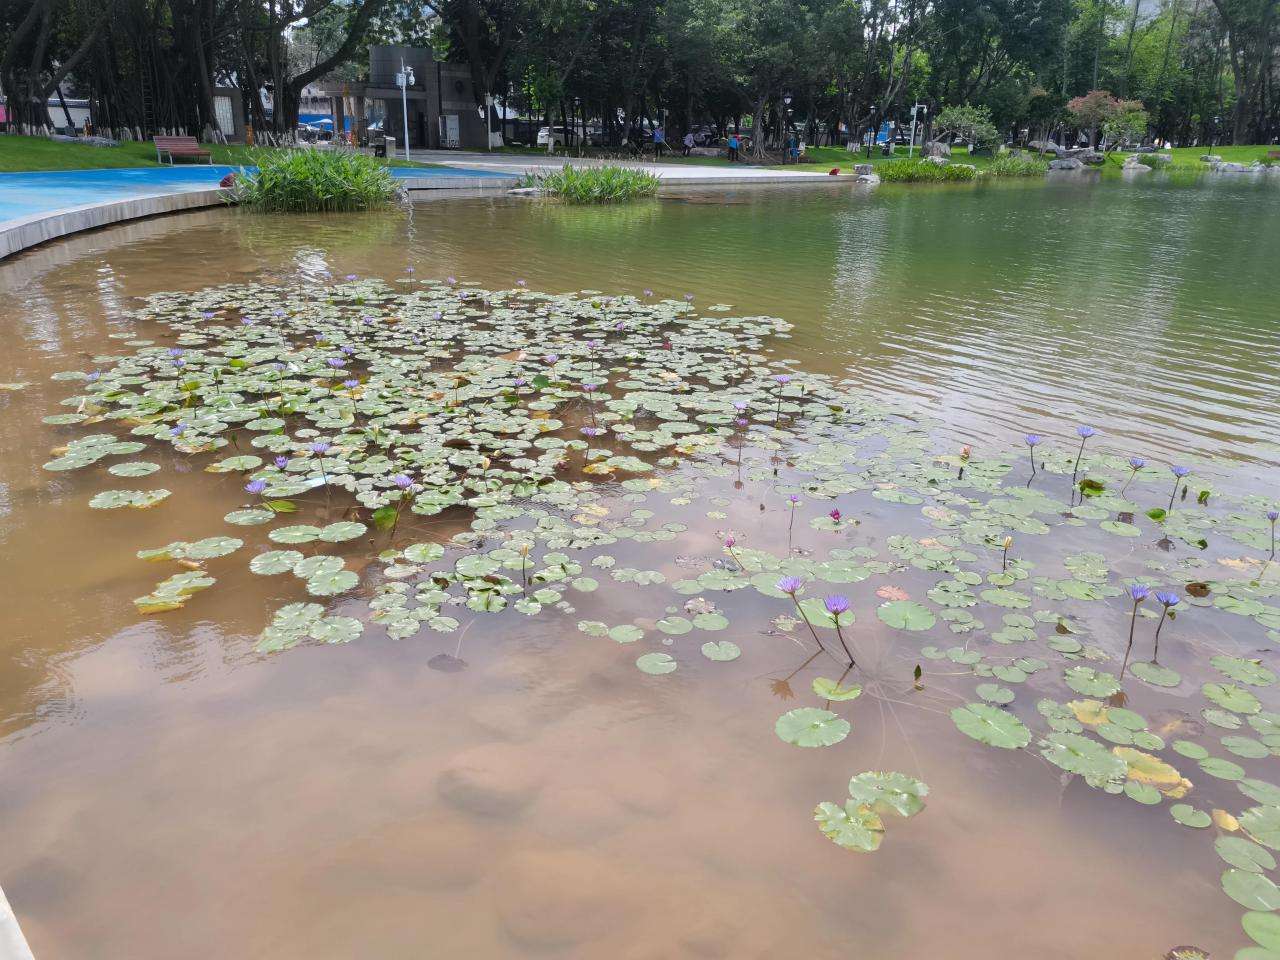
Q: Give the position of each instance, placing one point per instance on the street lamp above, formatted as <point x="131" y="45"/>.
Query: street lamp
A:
<point x="404" y="80"/>
<point x="916" y="110"/>
<point x="871" y="130"/>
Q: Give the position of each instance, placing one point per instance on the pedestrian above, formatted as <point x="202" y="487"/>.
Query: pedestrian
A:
<point x="688" y="142"/>
<point x="659" y="140"/>
<point x="733" y="146"/>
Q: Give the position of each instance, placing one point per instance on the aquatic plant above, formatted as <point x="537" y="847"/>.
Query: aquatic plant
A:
<point x="1167" y="601"/>
<point x="594" y="185"/>
<point x="1135" y="464"/>
<point x="1137" y="593"/>
<point x="1272" y="517"/>
<point x="1015" y="165"/>
<point x="315" y="181"/>
<point x="1178" y="473"/>
<point x="1084" y="433"/>
<point x="508" y="438"/>
<point x="904" y="170"/>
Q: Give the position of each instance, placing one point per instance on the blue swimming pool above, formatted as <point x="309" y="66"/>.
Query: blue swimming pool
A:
<point x="28" y="194"/>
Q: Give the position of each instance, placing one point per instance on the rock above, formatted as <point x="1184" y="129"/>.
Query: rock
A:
<point x="706" y="152"/>
<point x="1067" y="163"/>
<point x="936" y="148"/>
<point x="494" y="779"/>
<point x="554" y="899"/>
<point x="874" y="178"/>
<point x="864" y="169"/>
<point x="1136" y="168"/>
<point x="1045" y="146"/>
<point x="525" y="191"/>
<point x="1092" y="157"/>
<point x="937" y="161"/>
<point x="434" y="852"/>
<point x="1211" y="158"/>
<point x="1230" y="168"/>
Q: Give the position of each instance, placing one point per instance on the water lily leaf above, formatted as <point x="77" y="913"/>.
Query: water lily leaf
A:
<point x="1263" y="928"/>
<point x="1231" y="697"/>
<point x="1222" y="769"/>
<point x="831" y="690"/>
<point x="629" y="633"/>
<point x="852" y="826"/>
<point x="1263" y="825"/>
<point x="1249" y="672"/>
<point x="327" y="583"/>
<point x="1189" y="816"/>
<point x="906" y="615"/>
<point x="343" y="530"/>
<point x="721" y="650"/>
<point x="1244" y="854"/>
<point x="674" y="625"/>
<point x="994" y="693"/>
<point x="1253" y="891"/>
<point x="1091" y="682"/>
<point x="991" y="725"/>
<point x="656" y="663"/>
<point x="1078" y="754"/>
<point x="898" y="792"/>
<point x="811" y="727"/>
<point x="275" y="561"/>
<point x="299" y="533"/>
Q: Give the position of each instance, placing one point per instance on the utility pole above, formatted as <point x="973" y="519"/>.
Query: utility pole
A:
<point x="404" y="80"/>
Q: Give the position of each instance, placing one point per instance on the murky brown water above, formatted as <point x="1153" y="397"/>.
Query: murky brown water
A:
<point x="166" y="792"/>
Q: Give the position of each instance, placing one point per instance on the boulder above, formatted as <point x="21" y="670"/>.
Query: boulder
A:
<point x="1045" y="146"/>
<point x="875" y="178"/>
<point x="1230" y="168"/>
<point x="936" y="148"/>
<point x="1092" y="158"/>
<point x="1211" y="158"/>
<point x="937" y="161"/>
<point x="864" y="169"/>
<point x="1068" y="163"/>
<point x="490" y="780"/>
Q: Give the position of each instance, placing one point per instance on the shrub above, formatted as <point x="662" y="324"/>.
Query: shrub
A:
<point x="972" y="123"/>
<point x="315" y="181"/>
<point x="1013" y="165"/>
<point x="921" y="171"/>
<point x="1153" y="160"/>
<point x="606" y="184"/>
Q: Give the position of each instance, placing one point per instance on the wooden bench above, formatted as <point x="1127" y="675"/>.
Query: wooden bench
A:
<point x="180" y="147"/>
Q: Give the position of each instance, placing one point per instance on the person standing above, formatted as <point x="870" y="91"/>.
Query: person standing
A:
<point x="659" y="140"/>
<point x="688" y="142"/>
<point x="733" y="146"/>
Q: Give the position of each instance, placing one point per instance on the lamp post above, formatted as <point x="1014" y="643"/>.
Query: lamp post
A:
<point x="404" y="80"/>
<point x="786" y="115"/>
<point x="871" y="130"/>
<point x="916" y="109"/>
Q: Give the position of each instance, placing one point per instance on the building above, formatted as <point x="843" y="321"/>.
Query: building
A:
<point x="441" y="102"/>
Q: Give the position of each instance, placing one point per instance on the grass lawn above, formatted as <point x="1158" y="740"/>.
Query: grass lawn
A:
<point x="24" y="154"/>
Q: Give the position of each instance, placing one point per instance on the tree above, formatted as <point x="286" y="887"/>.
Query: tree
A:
<point x="970" y="123"/>
<point x="1092" y="110"/>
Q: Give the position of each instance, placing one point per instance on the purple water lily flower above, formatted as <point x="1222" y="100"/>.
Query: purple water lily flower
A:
<point x="1033" y="439"/>
<point x="1085" y="432"/>
<point x="836" y="604"/>
<point x="1167" y="600"/>
<point x="174" y="351"/>
<point x="320" y="447"/>
<point x="593" y="431"/>
<point x="402" y="480"/>
<point x="255" y="486"/>
<point x="648" y="292"/>
<point x="1139" y="592"/>
<point x="337" y="363"/>
<point x="1137" y="463"/>
<point x="1273" y="515"/>
<point x="790" y="585"/>
<point x="688" y="298"/>
<point x="281" y="462"/>
<point x="1178" y="473"/>
<point x="350" y="276"/>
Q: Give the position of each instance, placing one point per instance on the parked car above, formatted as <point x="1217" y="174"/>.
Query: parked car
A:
<point x="565" y="134"/>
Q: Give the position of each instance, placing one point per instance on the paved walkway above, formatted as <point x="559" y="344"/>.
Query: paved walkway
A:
<point x="671" y="172"/>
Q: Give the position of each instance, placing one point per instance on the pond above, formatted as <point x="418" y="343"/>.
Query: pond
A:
<point x="478" y="638"/>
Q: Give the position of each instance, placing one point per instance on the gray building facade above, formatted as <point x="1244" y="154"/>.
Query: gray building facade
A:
<point x="442" y="109"/>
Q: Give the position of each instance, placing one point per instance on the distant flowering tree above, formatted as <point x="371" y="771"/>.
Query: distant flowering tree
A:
<point x="1093" y="110"/>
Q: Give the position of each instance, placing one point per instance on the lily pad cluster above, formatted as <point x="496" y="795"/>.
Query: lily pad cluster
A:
<point x="512" y="453"/>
